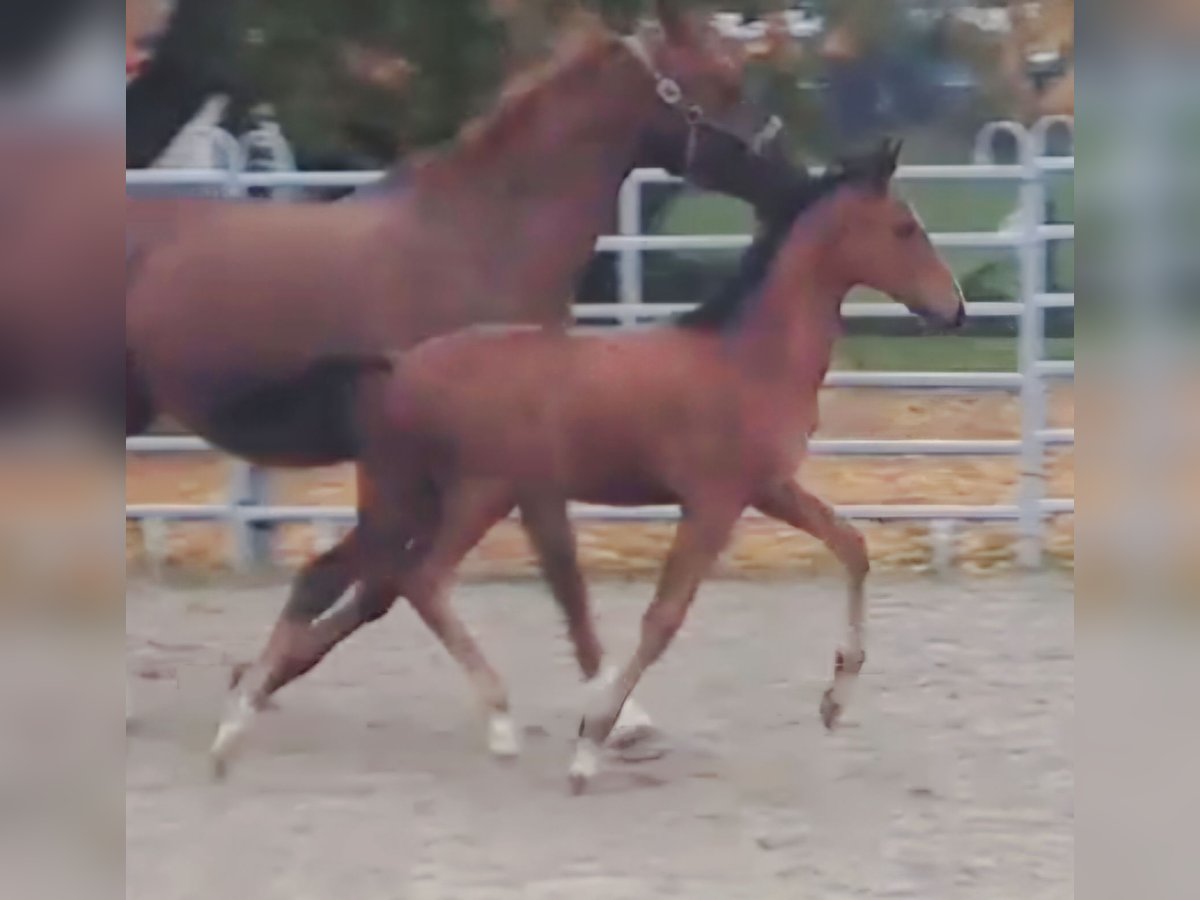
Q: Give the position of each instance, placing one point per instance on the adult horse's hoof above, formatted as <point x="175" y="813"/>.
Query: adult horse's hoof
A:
<point x="502" y="737"/>
<point x="831" y="710"/>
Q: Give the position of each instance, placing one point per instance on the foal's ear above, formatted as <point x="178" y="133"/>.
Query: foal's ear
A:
<point x="887" y="161"/>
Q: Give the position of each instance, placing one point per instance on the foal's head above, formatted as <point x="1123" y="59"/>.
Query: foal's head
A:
<point x="704" y="128"/>
<point x="879" y="242"/>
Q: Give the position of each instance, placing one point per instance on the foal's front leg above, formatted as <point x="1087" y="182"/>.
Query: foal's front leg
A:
<point x="793" y="505"/>
<point x="699" y="540"/>
<point x="548" y="526"/>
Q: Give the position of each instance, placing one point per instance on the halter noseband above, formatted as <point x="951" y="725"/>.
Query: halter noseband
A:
<point x="670" y="93"/>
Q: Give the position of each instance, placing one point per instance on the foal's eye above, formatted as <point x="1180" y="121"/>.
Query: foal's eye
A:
<point x="906" y="231"/>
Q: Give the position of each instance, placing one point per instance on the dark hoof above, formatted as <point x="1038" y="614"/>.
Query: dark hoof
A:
<point x="831" y="710"/>
<point x="577" y="784"/>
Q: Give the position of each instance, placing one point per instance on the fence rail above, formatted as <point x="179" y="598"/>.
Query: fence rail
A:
<point x="251" y="516"/>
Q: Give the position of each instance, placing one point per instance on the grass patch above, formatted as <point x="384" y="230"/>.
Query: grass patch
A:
<point x="938" y="353"/>
<point x="944" y="206"/>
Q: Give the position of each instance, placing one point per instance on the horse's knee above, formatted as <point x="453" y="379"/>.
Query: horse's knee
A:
<point x="320" y="583"/>
<point x="375" y="600"/>
<point x="854" y="549"/>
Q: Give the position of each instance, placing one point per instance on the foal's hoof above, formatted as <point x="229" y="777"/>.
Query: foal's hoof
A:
<point x="584" y="766"/>
<point x="231" y="735"/>
<point x="831" y="710"/>
<point x="634" y="725"/>
<point x="220" y="757"/>
<point x="502" y="737"/>
<point x="577" y="784"/>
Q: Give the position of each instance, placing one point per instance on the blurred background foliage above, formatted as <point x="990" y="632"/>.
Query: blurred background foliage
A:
<point x="358" y="84"/>
<point x="355" y="83"/>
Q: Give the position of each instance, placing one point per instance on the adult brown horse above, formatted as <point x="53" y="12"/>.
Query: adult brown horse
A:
<point x="232" y="306"/>
<point x="62" y="275"/>
<point x="713" y="414"/>
<point x="229" y="304"/>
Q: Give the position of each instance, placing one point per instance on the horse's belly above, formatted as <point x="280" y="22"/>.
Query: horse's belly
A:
<point x="301" y="421"/>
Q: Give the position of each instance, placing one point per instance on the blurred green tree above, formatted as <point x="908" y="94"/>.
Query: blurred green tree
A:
<point x="357" y="83"/>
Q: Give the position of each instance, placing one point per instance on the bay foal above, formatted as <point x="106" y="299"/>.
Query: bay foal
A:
<point x="713" y="413"/>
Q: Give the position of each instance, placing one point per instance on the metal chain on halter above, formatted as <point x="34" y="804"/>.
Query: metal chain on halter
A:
<point x="669" y="92"/>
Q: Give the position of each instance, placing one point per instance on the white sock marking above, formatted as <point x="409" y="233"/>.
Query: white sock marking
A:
<point x="233" y="730"/>
<point x="502" y="736"/>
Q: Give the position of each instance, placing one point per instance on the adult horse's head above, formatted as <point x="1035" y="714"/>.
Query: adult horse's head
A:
<point x="704" y="128"/>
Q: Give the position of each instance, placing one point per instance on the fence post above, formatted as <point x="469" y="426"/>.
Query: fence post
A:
<point x="1030" y="352"/>
<point x="247" y="483"/>
<point x="629" y="261"/>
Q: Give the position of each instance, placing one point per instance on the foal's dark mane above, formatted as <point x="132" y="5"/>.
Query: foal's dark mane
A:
<point x="724" y="307"/>
<point x="798" y="194"/>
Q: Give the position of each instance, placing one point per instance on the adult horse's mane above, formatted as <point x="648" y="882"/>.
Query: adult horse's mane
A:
<point x="579" y="53"/>
<point x="792" y="201"/>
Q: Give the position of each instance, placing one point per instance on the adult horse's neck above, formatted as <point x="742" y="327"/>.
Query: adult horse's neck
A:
<point x="786" y="333"/>
<point x="527" y="191"/>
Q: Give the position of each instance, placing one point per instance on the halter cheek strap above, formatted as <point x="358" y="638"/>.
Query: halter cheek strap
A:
<point x="667" y="88"/>
<point x="670" y="93"/>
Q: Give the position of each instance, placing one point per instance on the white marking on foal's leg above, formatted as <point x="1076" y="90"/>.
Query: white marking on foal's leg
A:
<point x="585" y="764"/>
<point x="231" y="735"/>
<point x="849" y="663"/>
<point x="599" y="700"/>
<point x="633" y="722"/>
<point x="502" y="737"/>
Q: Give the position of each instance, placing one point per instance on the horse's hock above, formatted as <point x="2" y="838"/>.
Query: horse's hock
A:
<point x="761" y="548"/>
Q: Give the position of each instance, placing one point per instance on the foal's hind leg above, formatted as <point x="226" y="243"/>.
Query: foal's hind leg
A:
<point x="319" y="585"/>
<point x="304" y="637"/>
<point x="372" y="599"/>
<point x="467" y="513"/>
<point x="792" y="504"/>
<point x="549" y="529"/>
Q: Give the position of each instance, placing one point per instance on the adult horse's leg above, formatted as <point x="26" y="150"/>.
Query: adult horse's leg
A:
<point x="792" y="504"/>
<point x="702" y="535"/>
<point x="549" y="529"/>
<point x="468" y="511"/>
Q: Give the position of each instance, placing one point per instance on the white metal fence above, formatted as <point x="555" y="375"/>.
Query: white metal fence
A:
<point x="251" y="517"/>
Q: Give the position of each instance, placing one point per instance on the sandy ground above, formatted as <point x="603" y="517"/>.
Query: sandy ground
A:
<point x="951" y="778"/>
